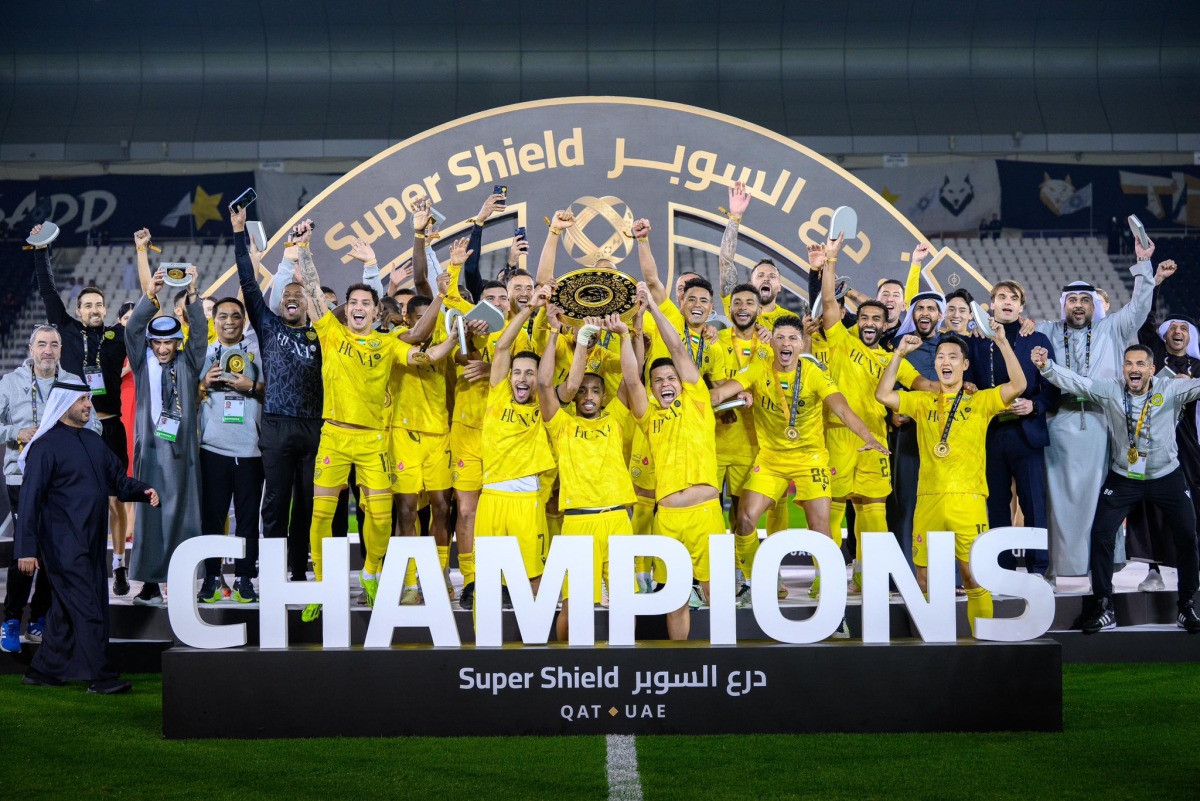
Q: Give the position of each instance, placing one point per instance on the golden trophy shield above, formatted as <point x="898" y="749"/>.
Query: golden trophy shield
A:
<point x="595" y="292"/>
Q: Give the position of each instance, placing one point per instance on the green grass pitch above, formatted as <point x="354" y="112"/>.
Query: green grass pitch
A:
<point x="1128" y="731"/>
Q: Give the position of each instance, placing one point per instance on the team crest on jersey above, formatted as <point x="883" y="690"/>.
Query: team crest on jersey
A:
<point x="110" y="334"/>
<point x="636" y="472"/>
<point x="317" y="473"/>
<point x="1157" y="399"/>
<point x="374" y="343"/>
<point x="312" y="335"/>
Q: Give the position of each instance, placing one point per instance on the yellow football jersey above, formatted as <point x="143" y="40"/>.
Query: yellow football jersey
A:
<point x="601" y="361"/>
<point x="768" y="318"/>
<point x="709" y="357"/>
<point x="773" y="393"/>
<point x="514" y="438"/>
<point x="964" y="468"/>
<point x="355" y="372"/>
<point x="682" y="441"/>
<point x="856" y="369"/>
<point x="419" y="392"/>
<point x="591" y="462"/>
<point x="736" y="441"/>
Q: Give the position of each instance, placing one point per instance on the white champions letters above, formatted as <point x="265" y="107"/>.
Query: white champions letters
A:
<point x="498" y="559"/>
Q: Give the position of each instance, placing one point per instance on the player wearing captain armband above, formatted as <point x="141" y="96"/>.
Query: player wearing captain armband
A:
<point x="952" y="434"/>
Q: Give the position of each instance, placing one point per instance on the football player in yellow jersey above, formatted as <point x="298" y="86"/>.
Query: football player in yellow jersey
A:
<point x="595" y="490"/>
<point x="952" y="434"/>
<point x="679" y="426"/>
<point x="736" y="442"/>
<point x="356" y="364"/>
<point x="466" y="438"/>
<point x="862" y="478"/>
<point x="420" y="435"/>
<point x="516" y="450"/>
<point x="790" y="395"/>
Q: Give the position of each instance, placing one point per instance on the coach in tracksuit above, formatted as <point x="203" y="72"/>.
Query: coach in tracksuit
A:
<point x="1016" y="438"/>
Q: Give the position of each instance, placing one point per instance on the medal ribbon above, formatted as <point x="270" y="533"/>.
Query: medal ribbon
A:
<point x="1135" y="433"/>
<point x="796" y="388"/>
<point x="698" y="356"/>
<point x="949" y="420"/>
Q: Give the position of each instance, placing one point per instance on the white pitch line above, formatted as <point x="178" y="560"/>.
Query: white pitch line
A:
<point x="624" y="782"/>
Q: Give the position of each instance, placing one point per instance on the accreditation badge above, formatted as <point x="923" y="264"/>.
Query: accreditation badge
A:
<point x="1137" y="467"/>
<point x="95" y="380"/>
<point x="235" y="409"/>
<point x="168" y="426"/>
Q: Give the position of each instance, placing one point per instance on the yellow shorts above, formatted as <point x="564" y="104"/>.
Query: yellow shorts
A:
<point x="733" y="476"/>
<point x="601" y="525"/>
<point x="421" y="461"/>
<point x="965" y="515"/>
<point x="520" y="515"/>
<point x="774" y="470"/>
<point x="466" y="450"/>
<point x="691" y="525"/>
<point x="867" y="474"/>
<point x="364" y="449"/>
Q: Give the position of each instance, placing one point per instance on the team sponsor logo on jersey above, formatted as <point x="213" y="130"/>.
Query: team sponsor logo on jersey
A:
<point x="312" y="335"/>
<point x="1157" y="400"/>
<point x="110" y="334"/>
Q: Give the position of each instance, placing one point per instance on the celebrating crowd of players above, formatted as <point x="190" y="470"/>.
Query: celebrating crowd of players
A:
<point x="900" y="417"/>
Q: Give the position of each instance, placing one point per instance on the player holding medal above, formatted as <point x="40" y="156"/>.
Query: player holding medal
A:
<point x="951" y="433"/>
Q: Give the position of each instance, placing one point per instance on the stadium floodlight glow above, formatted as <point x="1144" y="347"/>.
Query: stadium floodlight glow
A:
<point x="499" y="558"/>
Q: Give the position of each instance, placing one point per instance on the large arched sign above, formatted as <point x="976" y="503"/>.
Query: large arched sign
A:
<point x="611" y="159"/>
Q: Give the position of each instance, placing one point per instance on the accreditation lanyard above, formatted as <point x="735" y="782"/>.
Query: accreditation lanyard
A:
<point x="172" y="410"/>
<point x="791" y="432"/>
<point x="942" y="449"/>
<point x="1087" y="354"/>
<point x="91" y="372"/>
<point x="35" y="394"/>
<point x="1135" y="455"/>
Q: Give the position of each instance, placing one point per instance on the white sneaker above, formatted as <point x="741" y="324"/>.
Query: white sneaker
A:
<point x="1152" y="583"/>
<point x="410" y="597"/>
<point x="697" y="600"/>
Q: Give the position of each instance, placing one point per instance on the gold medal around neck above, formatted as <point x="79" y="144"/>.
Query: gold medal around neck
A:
<point x="1132" y="455"/>
<point x="792" y="433"/>
<point x="941" y="450"/>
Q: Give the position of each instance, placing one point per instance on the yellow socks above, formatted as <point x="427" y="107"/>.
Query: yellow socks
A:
<point x="410" y="574"/>
<point x="466" y="565"/>
<point x="868" y="517"/>
<point x="377" y="528"/>
<point x="324" y="507"/>
<point x="837" y="516"/>
<point x="745" y="546"/>
<point x="444" y="556"/>
<point x="979" y="604"/>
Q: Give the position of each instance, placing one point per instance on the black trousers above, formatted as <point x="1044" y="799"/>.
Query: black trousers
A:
<point x="227" y="478"/>
<point x="19" y="585"/>
<point x="1117" y="497"/>
<point x="1009" y="459"/>
<point x="289" y="455"/>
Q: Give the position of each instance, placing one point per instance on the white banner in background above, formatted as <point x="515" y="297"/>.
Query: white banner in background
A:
<point x="940" y="197"/>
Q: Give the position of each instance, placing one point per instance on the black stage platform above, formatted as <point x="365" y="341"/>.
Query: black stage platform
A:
<point x="653" y="688"/>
